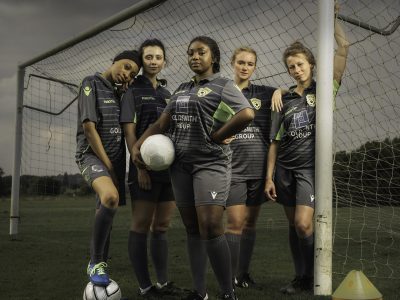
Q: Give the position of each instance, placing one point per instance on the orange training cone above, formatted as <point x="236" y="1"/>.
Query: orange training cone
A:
<point x="356" y="286"/>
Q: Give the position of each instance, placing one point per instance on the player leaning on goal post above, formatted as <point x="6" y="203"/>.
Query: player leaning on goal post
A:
<point x="201" y="115"/>
<point x="249" y="152"/>
<point x="151" y="192"/>
<point x="100" y="153"/>
<point x="293" y="131"/>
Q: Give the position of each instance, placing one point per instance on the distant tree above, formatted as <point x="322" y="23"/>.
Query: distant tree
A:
<point x="65" y="181"/>
<point x="1" y="182"/>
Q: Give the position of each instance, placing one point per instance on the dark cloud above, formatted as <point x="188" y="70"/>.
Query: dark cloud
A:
<point x="29" y="28"/>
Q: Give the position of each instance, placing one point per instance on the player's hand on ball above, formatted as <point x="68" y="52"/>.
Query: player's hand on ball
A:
<point x="270" y="190"/>
<point x="137" y="158"/>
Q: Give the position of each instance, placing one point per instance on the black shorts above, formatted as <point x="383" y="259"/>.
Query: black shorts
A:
<point x="295" y="187"/>
<point x="249" y="192"/>
<point x="91" y="167"/>
<point x="160" y="192"/>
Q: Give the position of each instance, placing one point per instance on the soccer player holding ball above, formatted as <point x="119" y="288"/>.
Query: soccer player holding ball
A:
<point x="201" y="117"/>
<point x="249" y="149"/>
<point x="151" y="192"/>
<point x="100" y="153"/>
<point x="292" y="154"/>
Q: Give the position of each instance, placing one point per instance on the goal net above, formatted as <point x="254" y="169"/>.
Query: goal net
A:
<point x="366" y="167"/>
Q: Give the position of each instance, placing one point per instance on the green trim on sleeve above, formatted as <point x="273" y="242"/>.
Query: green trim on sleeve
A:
<point x="224" y="112"/>
<point x="336" y="86"/>
<point x="135" y="118"/>
<point x="280" y="133"/>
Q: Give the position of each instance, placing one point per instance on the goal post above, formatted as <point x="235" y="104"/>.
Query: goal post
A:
<point x="323" y="151"/>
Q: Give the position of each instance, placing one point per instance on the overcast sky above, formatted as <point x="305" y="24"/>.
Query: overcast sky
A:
<point x="29" y="28"/>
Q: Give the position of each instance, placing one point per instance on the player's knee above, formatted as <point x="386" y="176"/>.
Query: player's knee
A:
<point x="303" y="228"/>
<point x="234" y="226"/>
<point x="160" y="225"/>
<point x="211" y="229"/>
<point x="110" y="199"/>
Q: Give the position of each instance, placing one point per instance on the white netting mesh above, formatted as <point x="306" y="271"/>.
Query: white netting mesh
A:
<point x="366" y="141"/>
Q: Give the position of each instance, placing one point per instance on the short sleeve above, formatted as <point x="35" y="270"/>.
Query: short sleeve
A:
<point x="87" y="101"/>
<point x="128" y="110"/>
<point x="232" y="101"/>
<point x="277" y="129"/>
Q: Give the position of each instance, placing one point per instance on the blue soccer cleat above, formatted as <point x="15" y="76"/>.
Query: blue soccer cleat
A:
<point x="97" y="274"/>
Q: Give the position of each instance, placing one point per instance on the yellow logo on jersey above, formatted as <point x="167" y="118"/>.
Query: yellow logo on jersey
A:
<point x="87" y="90"/>
<point x="256" y="103"/>
<point x="203" y="92"/>
<point x="311" y="100"/>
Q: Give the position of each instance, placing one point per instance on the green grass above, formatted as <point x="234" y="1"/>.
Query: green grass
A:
<point x="49" y="258"/>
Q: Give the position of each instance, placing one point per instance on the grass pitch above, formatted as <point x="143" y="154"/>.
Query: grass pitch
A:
<point x="49" y="258"/>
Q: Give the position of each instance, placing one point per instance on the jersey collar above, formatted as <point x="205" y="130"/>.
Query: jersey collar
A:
<point x="207" y="79"/>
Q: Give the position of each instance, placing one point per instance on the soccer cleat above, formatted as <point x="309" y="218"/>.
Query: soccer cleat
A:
<point x="244" y="281"/>
<point x="169" y="288"/>
<point x="293" y="287"/>
<point x="228" y="297"/>
<point x="151" y="293"/>
<point x="97" y="274"/>
<point x="194" y="295"/>
<point x="307" y="283"/>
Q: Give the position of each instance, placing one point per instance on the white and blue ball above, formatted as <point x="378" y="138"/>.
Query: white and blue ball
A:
<point x="96" y="292"/>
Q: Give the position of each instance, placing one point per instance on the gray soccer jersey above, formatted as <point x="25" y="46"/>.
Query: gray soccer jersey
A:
<point x="249" y="148"/>
<point x="294" y="127"/>
<point x="99" y="102"/>
<point x="143" y="105"/>
<point x="198" y="110"/>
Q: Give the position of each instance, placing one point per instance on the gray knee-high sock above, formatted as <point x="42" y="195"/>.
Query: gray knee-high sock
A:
<point x="234" y="248"/>
<point x="101" y="229"/>
<point x="246" y="250"/>
<point x="198" y="262"/>
<point x="220" y="260"/>
<point x="159" y="254"/>
<point x="137" y="248"/>
<point x="107" y="246"/>
<point x="297" y="257"/>
<point x="307" y="250"/>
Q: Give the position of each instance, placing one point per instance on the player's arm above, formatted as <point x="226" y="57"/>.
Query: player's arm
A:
<point x="93" y="138"/>
<point x="144" y="180"/>
<point x="236" y="124"/>
<point x="271" y="161"/>
<point x="342" y="50"/>
<point x="159" y="127"/>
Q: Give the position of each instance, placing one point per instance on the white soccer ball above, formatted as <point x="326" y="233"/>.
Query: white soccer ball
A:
<point x="158" y="152"/>
<point x="96" y="292"/>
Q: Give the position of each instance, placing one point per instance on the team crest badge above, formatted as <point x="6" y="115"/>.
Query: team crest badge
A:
<point x="203" y="92"/>
<point x="87" y="90"/>
<point x="311" y="100"/>
<point x="256" y="103"/>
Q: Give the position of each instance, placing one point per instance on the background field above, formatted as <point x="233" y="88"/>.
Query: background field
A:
<point x="49" y="258"/>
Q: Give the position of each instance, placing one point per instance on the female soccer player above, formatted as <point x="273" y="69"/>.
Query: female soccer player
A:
<point x="201" y="115"/>
<point x="249" y="149"/>
<point x="293" y="131"/>
<point x="100" y="152"/>
<point x="151" y="192"/>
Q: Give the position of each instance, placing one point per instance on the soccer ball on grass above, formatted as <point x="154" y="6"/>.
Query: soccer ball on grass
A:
<point x="96" y="292"/>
